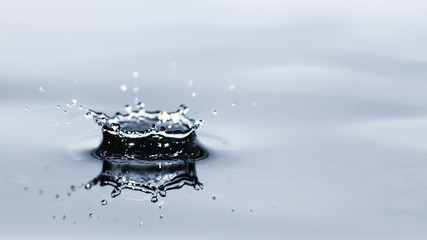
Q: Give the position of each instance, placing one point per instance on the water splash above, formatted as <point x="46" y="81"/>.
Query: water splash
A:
<point x="152" y="152"/>
<point x="144" y="135"/>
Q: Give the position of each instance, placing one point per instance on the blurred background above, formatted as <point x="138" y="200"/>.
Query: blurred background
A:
<point x="315" y="116"/>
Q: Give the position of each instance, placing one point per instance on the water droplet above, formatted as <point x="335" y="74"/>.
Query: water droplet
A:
<point x="57" y="196"/>
<point x="116" y="192"/>
<point x="104" y="202"/>
<point x="231" y="87"/>
<point x="25" y="188"/>
<point x="69" y="194"/>
<point x="67" y="122"/>
<point x="128" y="108"/>
<point x="41" y="89"/>
<point x="27" y="109"/>
<point x="80" y="107"/>
<point x="115" y="126"/>
<point x="251" y="210"/>
<point x="232" y="211"/>
<point x="198" y="186"/>
<point x="214" y="112"/>
<point x="88" y="186"/>
<point x="73" y="188"/>
<point x="193" y="94"/>
<point x="74" y="101"/>
<point x="135" y="74"/>
<point x="190" y="83"/>
<point x="233" y="104"/>
<point x="65" y="111"/>
<point x="141" y="224"/>
<point x="123" y="87"/>
<point x="88" y="115"/>
<point x="90" y="215"/>
<point x="40" y="191"/>
<point x="141" y="105"/>
<point x="55" y="123"/>
<point x="64" y="217"/>
<point x="213" y="198"/>
<point x="161" y="216"/>
<point x="54" y="216"/>
<point x="154" y="199"/>
<point x="135" y="89"/>
<point x="58" y="106"/>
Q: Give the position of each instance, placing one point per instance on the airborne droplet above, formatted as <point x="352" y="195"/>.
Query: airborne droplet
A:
<point x="135" y="74"/>
<point x="123" y="87"/>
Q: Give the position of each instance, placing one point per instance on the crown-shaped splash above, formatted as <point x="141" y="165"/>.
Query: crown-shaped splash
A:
<point x="134" y="124"/>
<point x="143" y="135"/>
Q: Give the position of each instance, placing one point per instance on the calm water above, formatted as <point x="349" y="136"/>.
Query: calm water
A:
<point x="315" y="117"/>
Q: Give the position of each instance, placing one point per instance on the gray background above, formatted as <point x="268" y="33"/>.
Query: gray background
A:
<point x="333" y="148"/>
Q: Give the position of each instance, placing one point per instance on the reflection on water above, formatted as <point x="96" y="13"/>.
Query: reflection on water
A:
<point x="154" y="177"/>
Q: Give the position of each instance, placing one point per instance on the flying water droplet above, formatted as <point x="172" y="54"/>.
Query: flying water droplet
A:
<point x="213" y="198"/>
<point x="64" y="217"/>
<point x="65" y="111"/>
<point x="161" y="216"/>
<point x="154" y="199"/>
<point x="123" y="87"/>
<point x="88" y="115"/>
<point x="135" y="74"/>
<point x="73" y="188"/>
<point x="57" y="196"/>
<point x="41" y="89"/>
<point x="104" y="202"/>
<point x="90" y="215"/>
<point x="141" y="224"/>
<point x="27" y="109"/>
<point x="193" y="94"/>
<point x="232" y="87"/>
<point x="190" y="83"/>
<point x="58" y="106"/>
<point x="214" y="112"/>
<point x="74" y="101"/>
